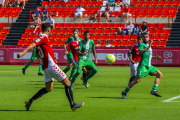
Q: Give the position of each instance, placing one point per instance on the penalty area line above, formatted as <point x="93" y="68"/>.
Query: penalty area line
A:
<point x="173" y="98"/>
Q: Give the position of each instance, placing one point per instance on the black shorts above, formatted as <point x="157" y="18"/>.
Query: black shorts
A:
<point x="91" y="18"/>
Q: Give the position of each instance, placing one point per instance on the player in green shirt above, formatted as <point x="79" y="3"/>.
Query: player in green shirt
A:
<point x="84" y="60"/>
<point x="70" y="56"/>
<point x="33" y="58"/>
<point x="145" y="68"/>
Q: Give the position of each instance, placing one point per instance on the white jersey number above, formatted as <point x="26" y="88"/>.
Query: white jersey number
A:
<point x="40" y="52"/>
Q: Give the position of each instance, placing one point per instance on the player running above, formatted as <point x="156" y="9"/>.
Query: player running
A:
<point x="70" y="56"/>
<point x="51" y="69"/>
<point x="134" y="57"/>
<point x="33" y="58"/>
<point x="84" y="60"/>
<point x="145" y="67"/>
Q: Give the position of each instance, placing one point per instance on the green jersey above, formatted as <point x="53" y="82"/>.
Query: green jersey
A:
<point x="86" y="48"/>
<point x="147" y="56"/>
<point x="34" y="52"/>
<point x="68" y="41"/>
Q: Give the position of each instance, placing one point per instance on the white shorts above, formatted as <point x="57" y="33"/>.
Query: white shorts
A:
<point x="54" y="72"/>
<point x="78" y="14"/>
<point x="128" y="15"/>
<point x="133" y="68"/>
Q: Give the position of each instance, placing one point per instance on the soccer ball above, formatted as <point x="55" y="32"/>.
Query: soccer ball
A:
<point x="110" y="58"/>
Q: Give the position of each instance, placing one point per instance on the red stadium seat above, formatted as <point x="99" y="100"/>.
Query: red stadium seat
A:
<point x="74" y="8"/>
<point x="24" y="36"/>
<point x="159" y="31"/>
<point x="71" y="3"/>
<point x="44" y="3"/>
<point x="176" y="3"/>
<point x="153" y="26"/>
<point x="145" y="9"/>
<point x="116" y="25"/>
<point x="102" y="25"/>
<point x="113" y="31"/>
<point x="99" y="31"/>
<point x="52" y="3"/>
<point x="5" y="31"/>
<point x="57" y="43"/>
<point x="107" y="31"/>
<point x="92" y="31"/>
<point x="152" y="9"/>
<point x="67" y="36"/>
<point x="99" y="3"/>
<point x="103" y="43"/>
<point x="126" y="37"/>
<point x="160" y="9"/>
<point x="157" y="14"/>
<point x="150" y="14"/>
<point x="151" y="31"/>
<point x="104" y="37"/>
<point x="169" y="3"/>
<point x="167" y="9"/>
<point x="109" y="25"/>
<point x="155" y="3"/>
<point x="31" y="36"/>
<point x="21" y="42"/>
<point x="2" y="36"/>
<point x="162" y="43"/>
<point x="157" y="37"/>
<point x="95" y="8"/>
<point x="78" y="3"/>
<point x="54" y="9"/>
<point x="60" y="37"/>
<point x="155" y="44"/>
<point x="66" y="25"/>
<point x="85" y="3"/>
<point x="12" y="9"/>
<point x="138" y="9"/>
<point x="89" y="9"/>
<point x="53" y="37"/>
<point x="66" y="14"/>
<point x="8" y="14"/>
<point x="135" y="14"/>
<point x="166" y="14"/>
<point x="116" y="43"/>
<point x="119" y="37"/>
<point x="83" y="30"/>
<point x="62" y="42"/>
<point x="122" y="25"/>
<point x="73" y="25"/>
<point x="58" y="3"/>
<point x="141" y="3"/>
<point x="124" y="43"/>
<point x="147" y="3"/>
<point x="88" y="25"/>
<point x="70" y="31"/>
<point x="161" y="25"/>
<point x="92" y="3"/>
<point x="134" y="3"/>
<point x="27" y="31"/>
<point x="166" y="32"/>
<point x="56" y="31"/>
<point x="95" y="25"/>
<point x="63" y="31"/>
<point x="15" y="14"/>
<point x="28" y="42"/>
<point x="143" y="14"/>
<point x="61" y="9"/>
<point x="68" y="8"/>
<point x="64" y="3"/>
<point x="5" y="9"/>
<point x="2" y="14"/>
<point x="96" y="37"/>
<point x="51" y="42"/>
<point x="131" y="43"/>
<point x="162" y="3"/>
<point x="150" y="37"/>
<point x="18" y="9"/>
<point x="81" y="36"/>
<point x="80" y="25"/>
<point x="164" y="37"/>
<point x="174" y="9"/>
<point x="134" y="37"/>
<point x="59" y="25"/>
<point x="112" y="37"/>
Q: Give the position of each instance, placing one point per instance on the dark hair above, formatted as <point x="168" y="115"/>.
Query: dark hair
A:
<point x="145" y="33"/>
<point x="45" y="26"/>
<point x="75" y="30"/>
<point x="86" y="32"/>
<point x="139" y="37"/>
<point x="136" y="25"/>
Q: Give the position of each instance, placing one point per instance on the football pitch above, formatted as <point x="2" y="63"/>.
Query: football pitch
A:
<point x="102" y="99"/>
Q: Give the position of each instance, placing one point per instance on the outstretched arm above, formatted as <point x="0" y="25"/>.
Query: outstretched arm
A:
<point x="19" y="55"/>
<point x="156" y="57"/>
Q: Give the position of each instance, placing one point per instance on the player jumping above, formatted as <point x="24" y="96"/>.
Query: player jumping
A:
<point x="70" y="56"/>
<point x="134" y="57"/>
<point x="145" y="67"/>
<point x="51" y="69"/>
<point x="33" y="58"/>
<point x="84" y="60"/>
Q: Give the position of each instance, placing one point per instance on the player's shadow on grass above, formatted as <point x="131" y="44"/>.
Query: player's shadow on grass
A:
<point x="13" y="110"/>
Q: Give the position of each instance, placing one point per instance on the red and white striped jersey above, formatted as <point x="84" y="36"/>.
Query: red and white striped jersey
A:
<point x="45" y="51"/>
<point x="134" y="51"/>
<point x="73" y="46"/>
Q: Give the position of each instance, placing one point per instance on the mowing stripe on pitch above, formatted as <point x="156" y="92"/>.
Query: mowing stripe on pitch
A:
<point x="18" y="70"/>
<point x="173" y="98"/>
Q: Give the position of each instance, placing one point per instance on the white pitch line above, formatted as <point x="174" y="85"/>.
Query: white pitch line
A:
<point x="173" y="98"/>
<point x="18" y="70"/>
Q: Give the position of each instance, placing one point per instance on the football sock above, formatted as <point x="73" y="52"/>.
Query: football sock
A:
<point x="65" y="70"/>
<point x="72" y="71"/>
<point x="40" y="68"/>
<point x="130" y="80"/>
<point x="155" y="87"/>
<point x="127" y="89"/>
<point x="40" y="93"/>
<point x="27" y="65"/>
<point x="75" y="75"/>
<point x="69" y="95"/>
<point x="94" y="71"/>
<point x="84" y="75"/>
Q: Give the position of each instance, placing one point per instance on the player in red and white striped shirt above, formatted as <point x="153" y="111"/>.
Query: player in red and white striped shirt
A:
<point x="135" y="58"/>
<point x="51" y="69"/>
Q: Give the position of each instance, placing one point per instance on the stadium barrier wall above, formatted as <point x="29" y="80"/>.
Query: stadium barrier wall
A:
<point x="170" y="57"/>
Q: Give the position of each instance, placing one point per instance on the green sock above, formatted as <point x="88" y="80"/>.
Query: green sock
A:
<point x="72" y="71"/>
<point x="75" y="75"/>
<point x="155" y="87"/>
<point x="65" y="70"/>
<point x="127" y="89"/>
<point x="94" y="71"/>
<point x="40" y="68"/>
<point x="27" y="65"/>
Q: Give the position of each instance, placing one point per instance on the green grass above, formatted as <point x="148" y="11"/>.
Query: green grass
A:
<point x="102" y="99"/>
